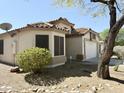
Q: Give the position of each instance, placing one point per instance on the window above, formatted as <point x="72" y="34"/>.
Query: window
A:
<point x="1" y="46"/>
<point x="42" y="41"/>
<point x="92" y="36"/>
<point x="61" y="45"/>
<point x="58" y="45"/>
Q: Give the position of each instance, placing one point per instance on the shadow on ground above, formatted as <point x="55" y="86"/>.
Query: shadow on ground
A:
<point x="53" y="76"/>
<point x="117" y="80"/>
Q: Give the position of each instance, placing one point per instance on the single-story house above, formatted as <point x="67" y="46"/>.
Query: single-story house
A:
<point x="59" y="36"/>
<point x="82" y="41"/>
<point x="50" y="35"/>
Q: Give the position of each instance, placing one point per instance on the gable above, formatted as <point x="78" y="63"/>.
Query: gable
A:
<point x="91" y="36"/>
<point x="63" y="26"/>
<point x="62" y="23"/>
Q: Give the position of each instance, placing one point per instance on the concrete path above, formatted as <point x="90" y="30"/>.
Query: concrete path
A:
<point x="96" y="60"/>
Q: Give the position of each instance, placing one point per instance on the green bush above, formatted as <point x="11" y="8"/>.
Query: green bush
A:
<point x="33" y="59"/>
<point x="119" y="42"/>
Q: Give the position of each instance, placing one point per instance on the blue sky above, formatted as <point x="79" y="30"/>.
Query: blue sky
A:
<point x="22" y="12"/>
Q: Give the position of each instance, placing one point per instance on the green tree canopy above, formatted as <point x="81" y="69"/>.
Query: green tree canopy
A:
<point x="89" y="7"/>
<point x="120" y="35"/>
<point x="119" y="38"/>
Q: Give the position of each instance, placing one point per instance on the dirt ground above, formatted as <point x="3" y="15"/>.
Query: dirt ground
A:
<point x="76" y="76"/>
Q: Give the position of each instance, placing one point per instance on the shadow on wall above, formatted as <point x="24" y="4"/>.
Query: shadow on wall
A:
<point x="53" y="76"/>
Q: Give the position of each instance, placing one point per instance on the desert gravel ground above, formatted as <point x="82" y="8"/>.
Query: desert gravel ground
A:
<point x="73" y="77"/>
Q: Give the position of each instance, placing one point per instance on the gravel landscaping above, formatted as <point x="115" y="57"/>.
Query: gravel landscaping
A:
<point x="75" y="77"/>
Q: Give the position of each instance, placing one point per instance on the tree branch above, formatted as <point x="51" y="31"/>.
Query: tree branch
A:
<point x="118" y="25"/>
<point x="100" y="1"/>
<point x="118" y="7"/>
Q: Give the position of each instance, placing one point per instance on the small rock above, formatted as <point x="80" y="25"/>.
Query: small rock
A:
<point x="52" y="91"/>
<point x="30" y="89"/>
<point x="89" y="91"/>
<point x="112" y="88"/>
<point x="73" y="89"/>
<point x="66" y="86"/>
<point x="21" y="70"/>
<point x="94" y="88"/>
<point x="15" y="69"/>
<point x="9" y="91"/>
<point x="3" y="87"/>
<point x="100" y="85"/>
<point x="9" y="87"/>
<point x="107" y="84"/>
<point x="54" y="87"/>
<point x="24" y="91"/>
<point x="40" y="90"/>
<point x="2" y="91"/>
<point x="35" y="89"/>
<point x="79" y="85"/>
<point x="59" y="87"/>
<point x="100" y="88"/>
<point x="47" y="91"/>
<point x="69" y="78"/>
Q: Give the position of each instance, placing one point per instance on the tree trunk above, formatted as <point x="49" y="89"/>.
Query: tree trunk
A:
<point x="103" y="66"/>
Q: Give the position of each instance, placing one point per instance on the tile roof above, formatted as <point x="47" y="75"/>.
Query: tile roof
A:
<point x="37" y="26"/>
<point x="61" y="19"/>
<point x="46" y="25"/>
<point x="80" y="32"/>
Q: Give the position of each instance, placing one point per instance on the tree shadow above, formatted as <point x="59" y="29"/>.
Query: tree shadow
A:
<point x="117" y="80"/>
<point x="120" y="71"/>
<point x="54" y="76"/>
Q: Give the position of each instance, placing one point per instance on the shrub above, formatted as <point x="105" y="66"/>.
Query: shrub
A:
<point x="79" y="57"/>
<point x="119" y="42"/>
<point x="33" y="59"/>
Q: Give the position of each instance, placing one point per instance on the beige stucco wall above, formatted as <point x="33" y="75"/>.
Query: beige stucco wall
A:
<point x="87" y="36"/>
<point x="26" y="39"/>
<point x="74" y="46"/>
<point x="81" y="45"/>
<point x="9" y="52"/>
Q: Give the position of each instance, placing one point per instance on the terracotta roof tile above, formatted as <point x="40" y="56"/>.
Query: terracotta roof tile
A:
<point x="82" y="30"/>
<point x="46" y="25"/>
<point x="38" y="26"/>
<point x="63" y="19"/>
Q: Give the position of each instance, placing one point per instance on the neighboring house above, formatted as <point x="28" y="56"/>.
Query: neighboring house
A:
<point x="84" y="42"/>
<point x="50" y="35"/>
